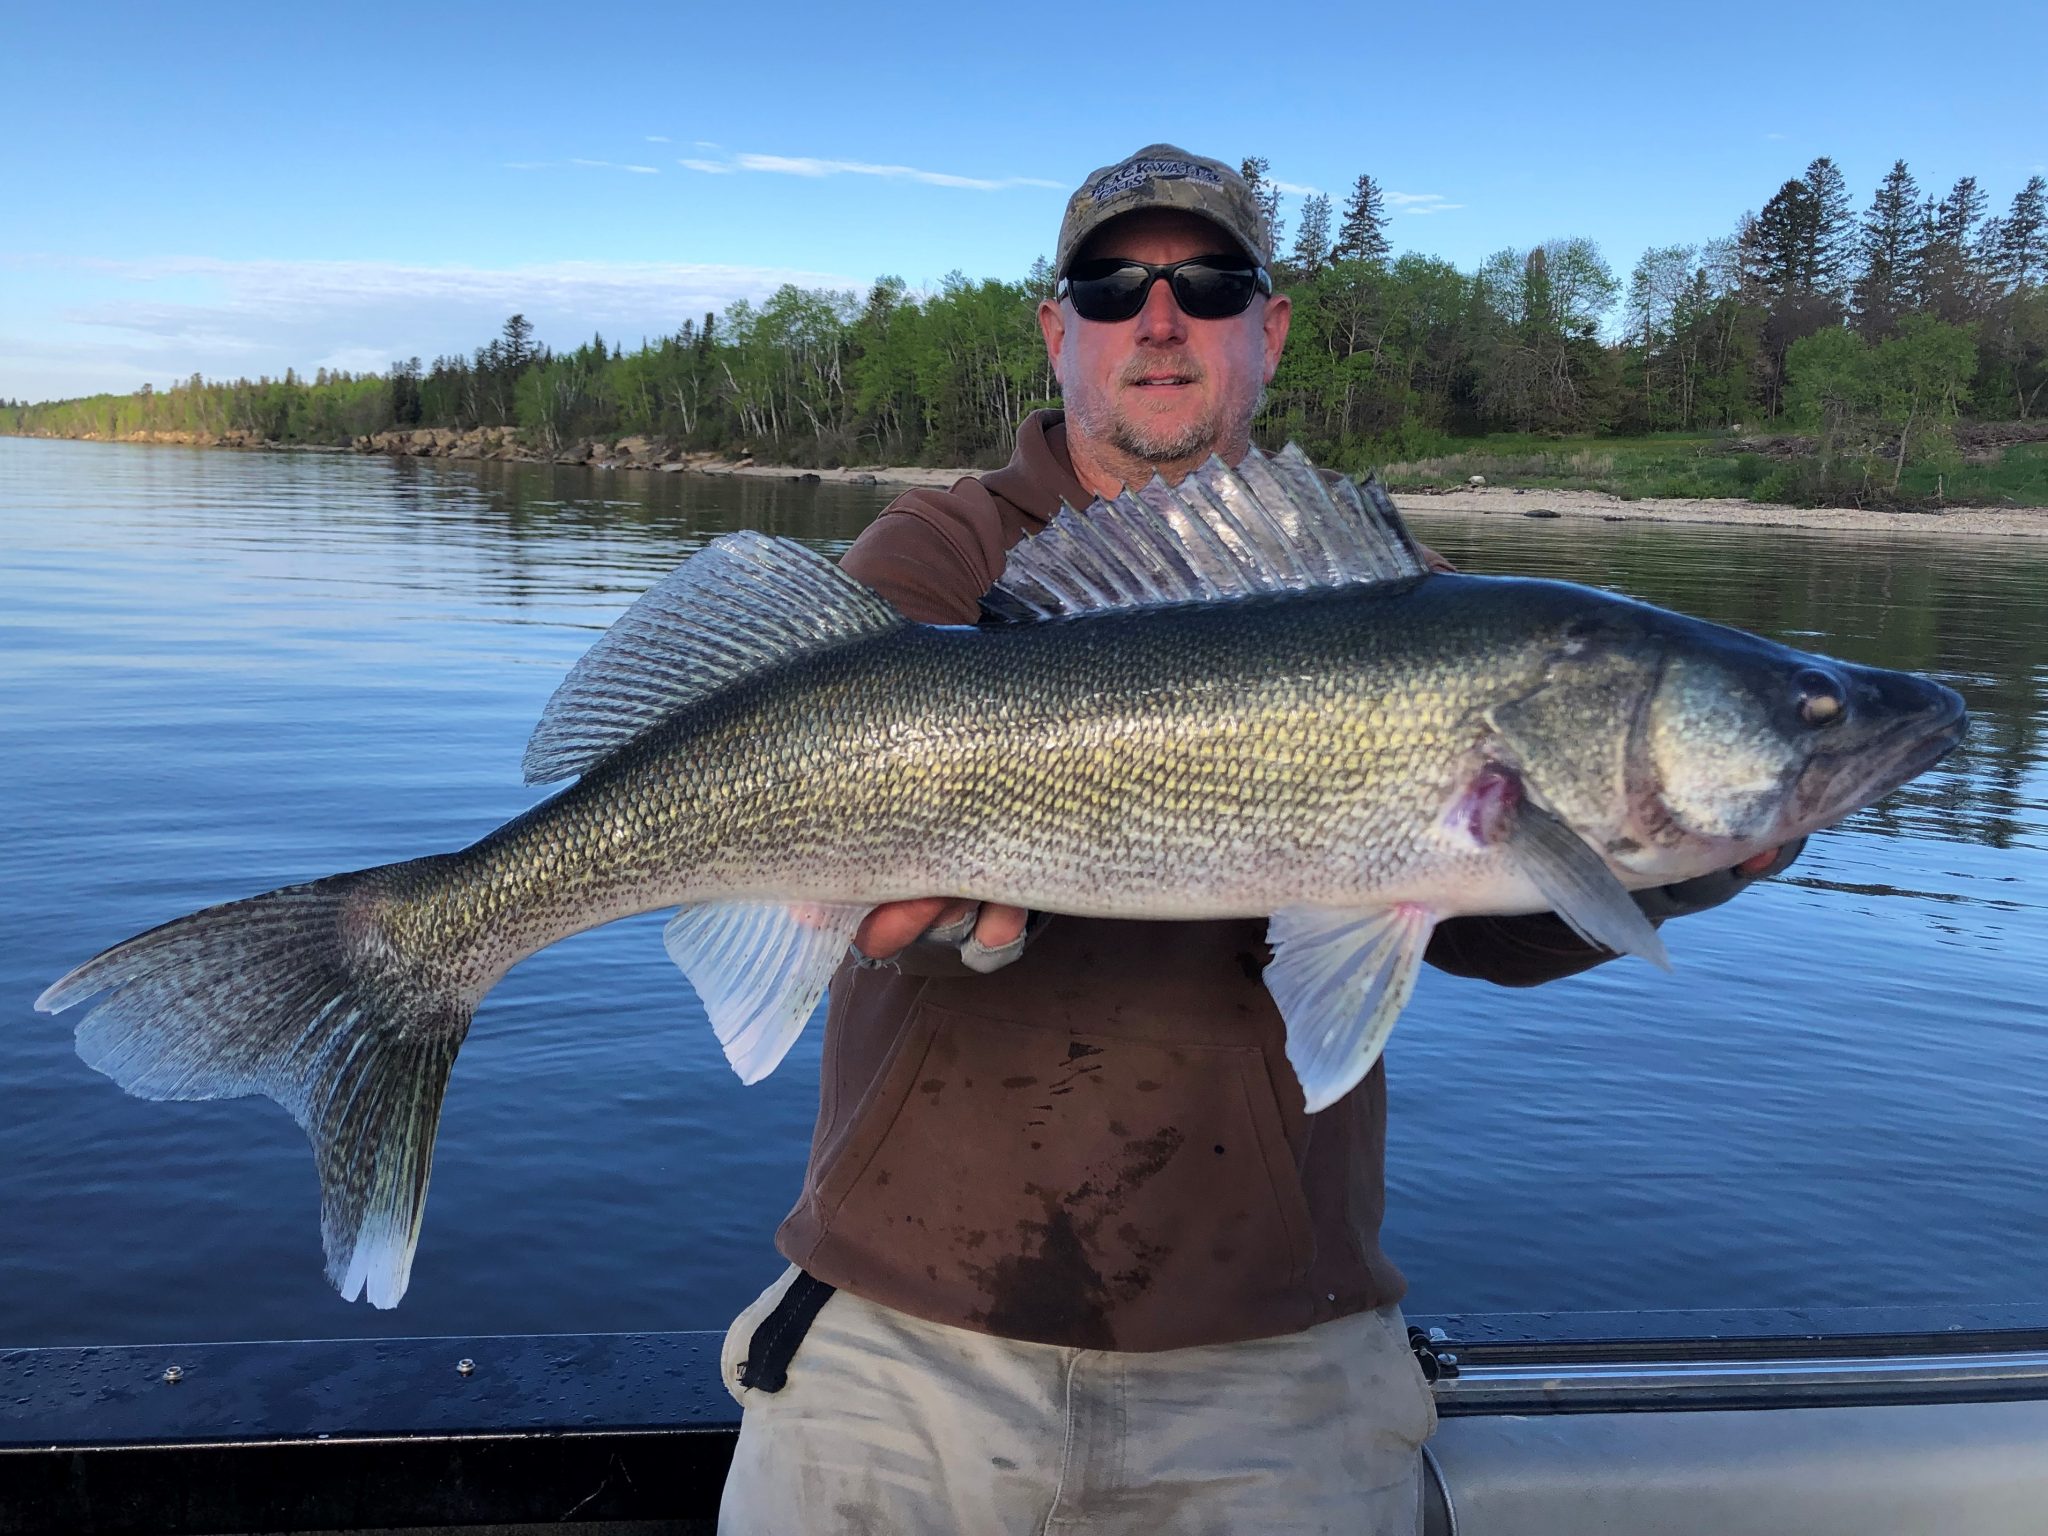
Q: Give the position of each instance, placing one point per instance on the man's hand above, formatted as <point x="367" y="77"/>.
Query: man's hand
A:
<point x="1697" y="895"/>
<point x="986" y="935"/>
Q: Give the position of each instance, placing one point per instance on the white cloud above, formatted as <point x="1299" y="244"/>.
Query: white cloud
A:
<point x="354" y="360"/>
<point x="581" y="164"/>
<point x="816" y="168"/>
<point x="1299" y="188"/>
<point x="705" y="144"/>
<point x="161" y="319"/>
<point x="659" y="138"/>
<point x="1774" y="137"/>
<point x="1420" y="202"/>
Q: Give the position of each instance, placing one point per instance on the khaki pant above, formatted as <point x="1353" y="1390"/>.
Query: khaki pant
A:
<point x="892" y="1425"/>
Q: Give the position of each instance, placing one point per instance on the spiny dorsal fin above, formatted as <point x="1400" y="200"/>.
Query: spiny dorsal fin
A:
<point x="744" y="602"/>
<point x="1273" y="524"/>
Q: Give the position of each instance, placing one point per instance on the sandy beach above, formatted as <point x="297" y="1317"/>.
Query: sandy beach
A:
<point x="1996" y="522"/>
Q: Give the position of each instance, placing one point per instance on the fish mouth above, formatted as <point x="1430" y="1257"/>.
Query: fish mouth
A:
<point x="1834" y="784"/>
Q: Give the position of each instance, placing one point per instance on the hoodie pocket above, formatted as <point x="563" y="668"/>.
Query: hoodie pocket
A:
<point x="1121" y="1174"/>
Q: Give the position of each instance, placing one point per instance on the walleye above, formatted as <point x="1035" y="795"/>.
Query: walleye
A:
<point x="1243" y="697"/>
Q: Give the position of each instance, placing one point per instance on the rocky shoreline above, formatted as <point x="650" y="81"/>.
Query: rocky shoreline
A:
<point x="502" y="445"/>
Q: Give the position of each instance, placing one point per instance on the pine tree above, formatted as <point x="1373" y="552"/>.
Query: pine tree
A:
<point x="2023" y="237"/>
<point x="1312" y="240"/>
<point x="1363" y="235"/>
<point x="1834" y="230"/>
<point x="1779" y="245"/>
<point x="518" y="344"/>
<point x="1956" y="217"/>
<point x="1889" y="245"/>
<point x="1257" y="171"/>
<point x="1951" y="279"/>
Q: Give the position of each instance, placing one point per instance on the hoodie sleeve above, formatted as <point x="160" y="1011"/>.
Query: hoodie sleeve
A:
<point x="1523" y="951"/>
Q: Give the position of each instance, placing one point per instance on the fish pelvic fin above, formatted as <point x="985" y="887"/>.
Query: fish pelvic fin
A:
<point x="744" y="602"/>
<point x="299" y="995"/>
<point x="760" y="968"/>
<point x="1341" y="978"/>
<point x="1275" y="523"/>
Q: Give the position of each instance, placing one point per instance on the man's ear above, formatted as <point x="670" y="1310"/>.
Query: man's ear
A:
<point x="1278" y="315"/>
<point x="1052" y="325"/>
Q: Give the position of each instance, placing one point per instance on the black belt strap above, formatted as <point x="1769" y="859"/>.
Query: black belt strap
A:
<point x="774" y="1343"/>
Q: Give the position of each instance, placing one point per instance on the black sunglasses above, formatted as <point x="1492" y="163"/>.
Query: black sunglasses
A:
<point x="1205" y="287"/>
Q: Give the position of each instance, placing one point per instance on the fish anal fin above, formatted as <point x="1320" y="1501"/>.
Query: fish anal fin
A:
<point x="760" y="968"/>
<point x="1341" y="978"/>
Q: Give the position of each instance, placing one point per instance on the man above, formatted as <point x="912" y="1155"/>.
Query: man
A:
<point x="1070" y="1253"/>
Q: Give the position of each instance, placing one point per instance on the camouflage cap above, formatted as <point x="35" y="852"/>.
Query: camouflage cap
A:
<point x="1163" y="176"/>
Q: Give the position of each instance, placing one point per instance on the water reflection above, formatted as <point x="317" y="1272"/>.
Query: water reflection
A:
<point x="221" y="672"/>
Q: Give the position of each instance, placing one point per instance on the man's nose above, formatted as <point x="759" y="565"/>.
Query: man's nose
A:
<point x="1160" y="321"/>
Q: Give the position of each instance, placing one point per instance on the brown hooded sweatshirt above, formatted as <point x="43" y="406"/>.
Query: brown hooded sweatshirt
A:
<point x="1101" y="1145"/>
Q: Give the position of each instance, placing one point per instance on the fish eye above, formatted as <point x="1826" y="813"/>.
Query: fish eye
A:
<point x="1820" y="697"/>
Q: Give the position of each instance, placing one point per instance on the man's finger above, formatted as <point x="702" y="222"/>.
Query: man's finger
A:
<point x="999" y="926"/>
<point x="894" y="924"/>
<point x="998" y="938"/>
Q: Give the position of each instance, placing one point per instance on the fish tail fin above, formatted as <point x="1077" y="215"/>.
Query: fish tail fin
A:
<point x="307" y="996"/>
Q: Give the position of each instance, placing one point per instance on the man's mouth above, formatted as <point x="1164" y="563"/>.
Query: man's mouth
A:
<point x="1161" y="380"/>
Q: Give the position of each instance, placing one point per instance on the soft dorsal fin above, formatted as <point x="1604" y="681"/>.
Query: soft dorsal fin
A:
<point x="1273" y="524"/>
<point x="743" y="602"/>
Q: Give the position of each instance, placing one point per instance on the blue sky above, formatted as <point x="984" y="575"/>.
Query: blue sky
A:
<point x="235" y="189"/>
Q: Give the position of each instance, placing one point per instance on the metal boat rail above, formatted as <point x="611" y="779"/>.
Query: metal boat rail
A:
<point x="1606" y="1362"/>
<point x="604" y="1432"/>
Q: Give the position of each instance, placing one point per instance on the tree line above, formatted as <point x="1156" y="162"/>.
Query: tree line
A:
<point x="1876" y="329"/>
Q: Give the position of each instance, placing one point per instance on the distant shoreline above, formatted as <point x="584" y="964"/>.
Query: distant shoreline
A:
<point x="641" y="455"/>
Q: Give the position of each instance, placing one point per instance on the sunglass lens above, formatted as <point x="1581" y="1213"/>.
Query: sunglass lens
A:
<point x="1213" y="293"/>
<point x="1107" y="290"/>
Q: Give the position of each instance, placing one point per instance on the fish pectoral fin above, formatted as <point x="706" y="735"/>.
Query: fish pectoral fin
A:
<point x="760" y="968"/>
<point x="1580" y="887"/>
<point x="1341" y="978"/>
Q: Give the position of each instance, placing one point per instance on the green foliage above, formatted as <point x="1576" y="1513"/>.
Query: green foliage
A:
<point x="1899" y="399"/>
<point x="1874" y="339"/>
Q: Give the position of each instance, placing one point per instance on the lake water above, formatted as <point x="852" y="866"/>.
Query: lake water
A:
<point x="221" y="673"/>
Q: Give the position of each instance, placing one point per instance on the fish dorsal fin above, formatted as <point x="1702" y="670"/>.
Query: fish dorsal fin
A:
<point x="1273" y="524"/>
<point x="743" y="602"/>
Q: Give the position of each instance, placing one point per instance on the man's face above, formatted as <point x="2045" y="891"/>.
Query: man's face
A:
<point x="1161" y="387"/>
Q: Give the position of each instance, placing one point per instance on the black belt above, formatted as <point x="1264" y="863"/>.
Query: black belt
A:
<point x="775" y="1341"/>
